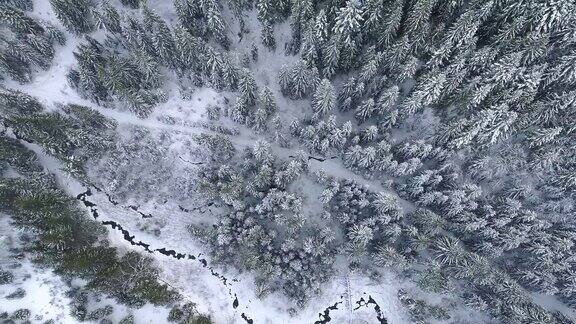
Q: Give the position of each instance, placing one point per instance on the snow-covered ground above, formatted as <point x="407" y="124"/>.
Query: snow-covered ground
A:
<point x="197" y="283"/>
<point x="44" y="294"/>
<point x="193" y="280"/>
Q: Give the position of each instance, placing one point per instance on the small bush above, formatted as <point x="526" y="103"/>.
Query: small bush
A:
<point x="6" y="277"/>
<point x="21" y="314"/>
<point x="18" y="294"/>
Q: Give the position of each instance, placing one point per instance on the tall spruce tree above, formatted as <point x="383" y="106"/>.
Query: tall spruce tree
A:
<point x="324" y="100"/>
<point x="77" y="16"/>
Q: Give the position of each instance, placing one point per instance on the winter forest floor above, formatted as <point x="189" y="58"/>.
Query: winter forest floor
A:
<point x="419" y="240"/>
<point x="189" y="277"/>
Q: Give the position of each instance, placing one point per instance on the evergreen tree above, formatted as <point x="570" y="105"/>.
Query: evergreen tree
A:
<point x="161" y="37"/>
<point x="238" y="7"/>
<point x="18" y="21"/>
<point x="202" y="19"/>
<point x="418" y="22"/>
<point x="216" y="68"/>
<point x="266" y="18"/>
<point x="365" y="109"/>
<point x="247" y="99"/>
<point x="360" y="236"/>
<point x="324" y="99"/>
<point x="385" y="106"/>
<point x="109" y="18"/>
<point x="25" y="45"/>
<point x="268" y="36"/>
<point x="214" y="21"/>
<point x="332" y="57"/>
<point x="190" y="16"/>
<point x="563" y="73"/>
<point x="347" y="30"/>
<point x="16" y="103"/>
<point x="373" y="17"/>
<point x="302" y="12"/>
<point x="134" y="4"/>
<point x="25" y="5"/>
<point x="426" y="93"/>
<point x="391" y="23"/>
<point x="266" y="108"/>
<point x="310" y="51"/>
<point x="189" y="49"/>
<point x="321" y="28"/>
<point x="297" y="81"/>
<point x="75" y="15"/>
<point x="462" y="31"/>
<point x="486" y="127"/>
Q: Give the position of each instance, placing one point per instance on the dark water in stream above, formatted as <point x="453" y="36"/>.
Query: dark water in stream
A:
<point x="363" y="303"/>
<point x="167" y="252"/>
<point x="324" y="317"/>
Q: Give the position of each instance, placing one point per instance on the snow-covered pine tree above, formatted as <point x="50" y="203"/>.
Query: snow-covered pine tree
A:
<point x="418" y="23"/>
<point x="324" y="100"/>
<point x="391" y="21"/>
<point x="161" y="37"/>
<point x="214" y="22"/>
<point x="331" y="57"/>
<point x="297" y="81"/>
<point x="386" y="106"/>
<point x="25" y="5"/>
<point x="247" y="98"/>
<point x="365" y="110"/>
<point x="25" y="44"/>
<point x="134" y="4"/>
<point x="190" y="16"/>
<point x="266" y="108"/>
<point x="75" y="15"/>
<point x="428" y="91"/>
<point x="15" y="103"/>
<point x="321" y="28"/>
<point x="347" y="30"/>
<point x="109" y="18"/>
<point x="266" y="18"/>
<point x="302" y="12"/>
<point x="189" y="50"/>
<point x="310" y="51"/>
<point x="373" y="18"/>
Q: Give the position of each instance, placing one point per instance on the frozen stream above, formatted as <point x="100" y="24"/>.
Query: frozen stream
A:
<point x="72" y="186"/>
<point x="83" y="197"/>
<point x="324" y="316"/>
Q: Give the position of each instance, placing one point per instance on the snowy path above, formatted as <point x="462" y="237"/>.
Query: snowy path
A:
<point x="43" y="294"/>
<point x="229" y="301"/>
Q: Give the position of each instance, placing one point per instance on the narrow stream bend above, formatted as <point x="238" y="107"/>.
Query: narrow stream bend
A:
<point x="164" y="251"/>
<point x="325" y="315"/>
<point x="379" y="316"/>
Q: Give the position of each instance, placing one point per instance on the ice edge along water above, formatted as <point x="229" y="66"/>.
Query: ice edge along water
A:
<point x="51" y="87"/>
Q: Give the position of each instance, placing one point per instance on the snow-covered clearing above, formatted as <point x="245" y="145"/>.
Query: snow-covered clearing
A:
<point x="194" y="281"/>
<point x="44" y="296"/>
<point x="197" y="284"/>
<point x="45" y="292"/>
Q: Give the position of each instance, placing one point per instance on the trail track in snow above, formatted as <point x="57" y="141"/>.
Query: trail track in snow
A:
<point x="51" y="88"/>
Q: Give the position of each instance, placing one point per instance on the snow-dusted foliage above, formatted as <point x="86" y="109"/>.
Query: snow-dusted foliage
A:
<point x="305" y="148"/>
<point x="26" y="43"/>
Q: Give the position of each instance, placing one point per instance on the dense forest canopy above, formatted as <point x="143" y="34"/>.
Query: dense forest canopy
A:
<point x="423" y="147"/>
